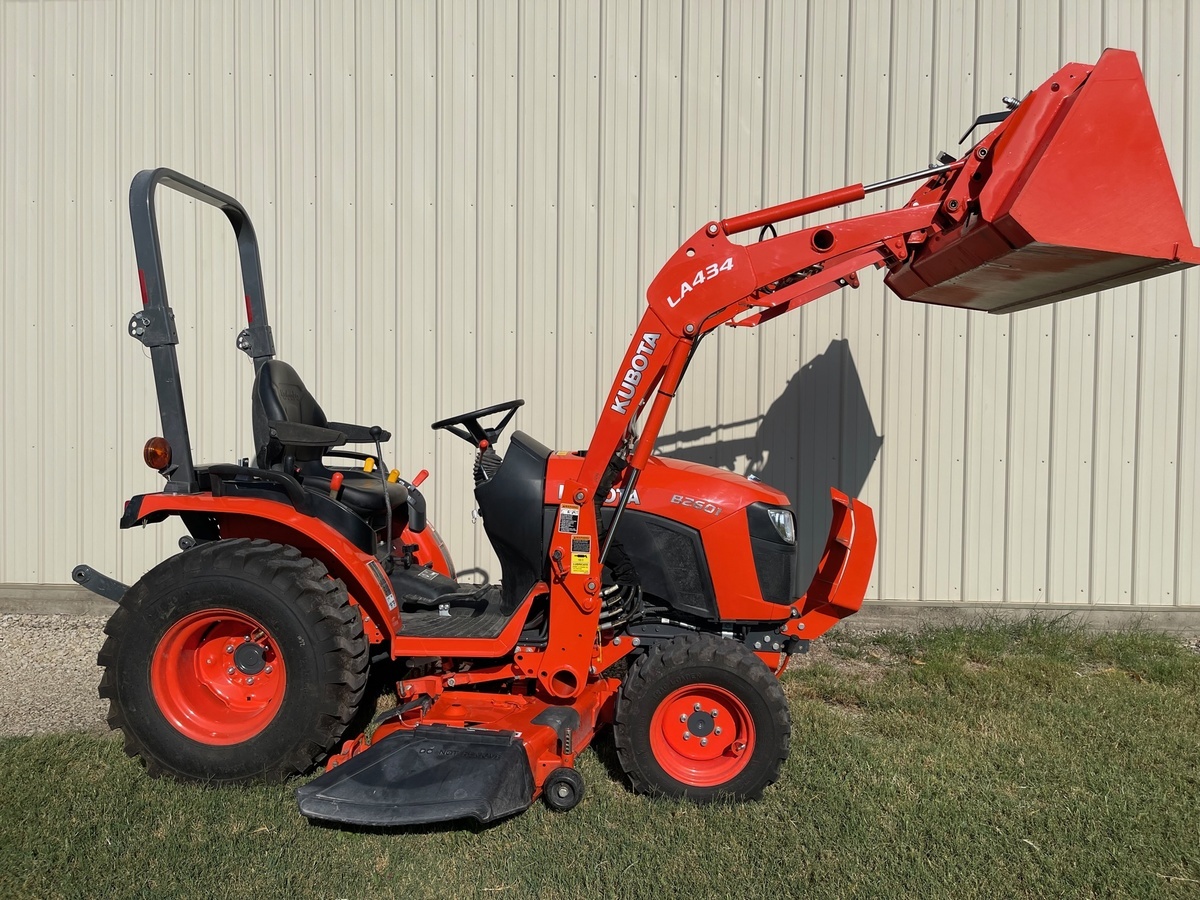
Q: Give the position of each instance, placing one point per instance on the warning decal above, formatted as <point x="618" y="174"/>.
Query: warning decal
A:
<point x="568" y="520"/>
<point x="385" y="583"/>
<point x="581" y="556"/>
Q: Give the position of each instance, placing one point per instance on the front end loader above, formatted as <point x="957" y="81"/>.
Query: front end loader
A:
<point x="641" y="593"/>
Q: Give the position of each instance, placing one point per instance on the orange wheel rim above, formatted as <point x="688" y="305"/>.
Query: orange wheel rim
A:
<point x="218" y="677"/>
<point x="702" y="735"/>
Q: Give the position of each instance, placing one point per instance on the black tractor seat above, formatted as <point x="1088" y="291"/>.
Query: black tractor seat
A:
<point x="292" y="433"/>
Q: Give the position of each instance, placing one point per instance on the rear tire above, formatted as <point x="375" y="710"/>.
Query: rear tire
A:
<point x="702" y="718"/>
<point x="236" y="661"/>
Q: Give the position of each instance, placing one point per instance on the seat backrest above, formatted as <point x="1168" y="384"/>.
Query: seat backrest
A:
<point x="279" y="395"/>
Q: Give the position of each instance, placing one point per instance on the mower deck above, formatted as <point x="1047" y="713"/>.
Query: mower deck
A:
<point x="469" y="754"/>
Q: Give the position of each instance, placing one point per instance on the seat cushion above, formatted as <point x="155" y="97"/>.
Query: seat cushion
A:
<point x="360" y="491"/>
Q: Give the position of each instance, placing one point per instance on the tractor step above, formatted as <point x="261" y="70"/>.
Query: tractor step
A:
<point x="456" y="623"/>
<point x="434" y="606"/>
<point x="430" y="773"/>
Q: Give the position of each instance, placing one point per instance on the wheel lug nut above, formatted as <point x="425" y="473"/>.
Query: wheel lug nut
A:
<point x="250" y="680"/>
<point x="703" y="742"/>
<point x="713" y="713"/>
<point x="683" y="717"/>
<point x="229" y="648"/>
<point x="687" y="735"/>
<point x="717" y="730"/>
<point x="229" y="671"/>
<point x="696" y="708"/>
<point x="267" y="670"/>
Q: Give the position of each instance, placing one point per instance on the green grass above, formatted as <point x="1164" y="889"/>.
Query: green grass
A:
<point x="1005" y="760"/>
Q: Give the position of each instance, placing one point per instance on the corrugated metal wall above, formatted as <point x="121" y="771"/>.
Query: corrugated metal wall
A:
<point x="462" y="202"/>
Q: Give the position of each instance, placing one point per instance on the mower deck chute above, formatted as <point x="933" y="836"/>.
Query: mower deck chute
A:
<point x="1072" y="194"/>
<point x="430" y="773"/>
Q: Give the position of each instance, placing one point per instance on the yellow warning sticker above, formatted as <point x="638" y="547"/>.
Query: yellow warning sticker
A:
<point x="581" y="555"/>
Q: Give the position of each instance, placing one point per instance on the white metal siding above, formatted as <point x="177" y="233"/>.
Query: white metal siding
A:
<point x="461" y="202"/>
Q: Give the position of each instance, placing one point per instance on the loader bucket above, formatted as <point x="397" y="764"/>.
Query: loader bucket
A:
<point x="1071" y="194"/>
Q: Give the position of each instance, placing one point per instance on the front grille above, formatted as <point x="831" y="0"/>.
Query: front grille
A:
<point x="773" y="564"/>
<point x="681" y="566"/>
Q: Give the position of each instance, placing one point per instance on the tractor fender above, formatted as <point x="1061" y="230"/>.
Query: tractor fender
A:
<point x="251" y="517"/>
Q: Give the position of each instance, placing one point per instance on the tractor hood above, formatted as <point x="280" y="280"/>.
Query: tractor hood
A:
<point x="692" y="493"/>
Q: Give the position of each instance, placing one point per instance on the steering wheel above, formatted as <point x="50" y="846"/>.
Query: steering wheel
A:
<point x="467" y="427"/>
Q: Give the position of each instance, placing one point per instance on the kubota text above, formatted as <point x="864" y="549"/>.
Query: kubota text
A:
<point x="633" y="374"/>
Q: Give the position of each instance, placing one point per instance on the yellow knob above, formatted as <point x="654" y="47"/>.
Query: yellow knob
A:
<point x="369" y="464"/>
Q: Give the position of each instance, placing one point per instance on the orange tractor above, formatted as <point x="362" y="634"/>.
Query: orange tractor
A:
<point x="638" y="592"/>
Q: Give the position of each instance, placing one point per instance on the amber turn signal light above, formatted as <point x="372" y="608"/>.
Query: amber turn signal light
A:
<point x="157" y="453"/>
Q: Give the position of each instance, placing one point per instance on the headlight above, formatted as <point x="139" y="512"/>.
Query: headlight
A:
<point x="785" y="524"/>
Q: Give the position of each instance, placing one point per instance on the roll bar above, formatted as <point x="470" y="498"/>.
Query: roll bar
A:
<point x="154" y="324"/>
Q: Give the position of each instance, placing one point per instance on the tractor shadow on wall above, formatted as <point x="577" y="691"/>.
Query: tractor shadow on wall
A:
<point x="817" y="434"/>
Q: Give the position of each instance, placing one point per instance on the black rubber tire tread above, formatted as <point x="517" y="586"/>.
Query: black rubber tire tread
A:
<point x="573" y="780"/>
<point x="708" y="659"/>
<point x="315" y="627"/>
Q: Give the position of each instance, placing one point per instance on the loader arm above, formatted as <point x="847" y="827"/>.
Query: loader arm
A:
<point x="1068" y="195"/>
<point x="711" y="281"/>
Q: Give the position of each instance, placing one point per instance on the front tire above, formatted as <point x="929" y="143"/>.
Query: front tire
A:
<point x="702" y="718"/>
<point x="236" y="661"/>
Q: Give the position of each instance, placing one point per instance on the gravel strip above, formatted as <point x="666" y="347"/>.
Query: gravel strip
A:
<point x="48" y="674"/>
